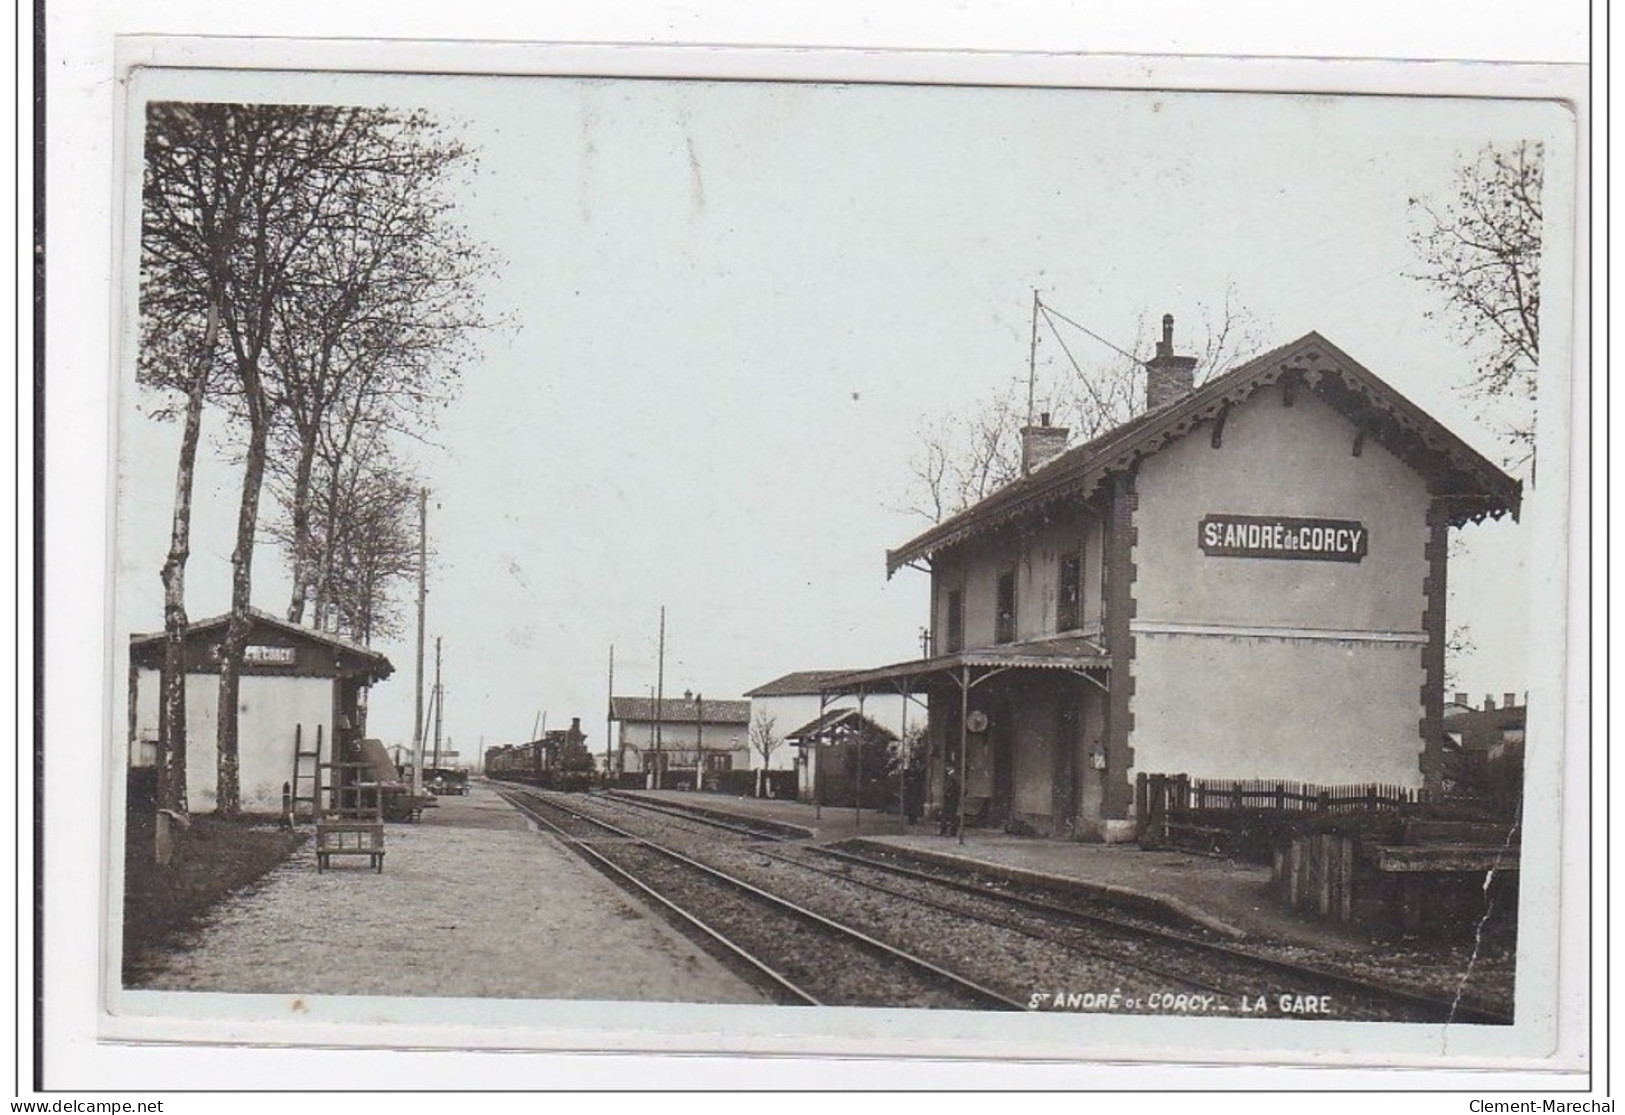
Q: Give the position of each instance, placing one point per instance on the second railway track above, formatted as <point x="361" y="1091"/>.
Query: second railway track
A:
<point x="794" y="953"/>
<point x="1033" y="952"/>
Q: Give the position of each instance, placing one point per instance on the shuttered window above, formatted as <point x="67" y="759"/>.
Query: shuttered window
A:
<point x="1004" y="630"/>
<point x="1069" y="594"/>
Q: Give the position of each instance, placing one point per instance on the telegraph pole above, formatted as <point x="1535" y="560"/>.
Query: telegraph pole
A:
<point x="609" y="717"/>
<point x="423" y="592"/>
<point x="1032" y="362"/>
<point x="660" y="695"/>
<point x="439" y="702"/>
<point x="699" y="742"/>
<point x="651" y="764"/>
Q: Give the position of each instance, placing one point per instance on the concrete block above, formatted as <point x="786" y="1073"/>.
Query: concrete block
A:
<point x="1119" y="832"/>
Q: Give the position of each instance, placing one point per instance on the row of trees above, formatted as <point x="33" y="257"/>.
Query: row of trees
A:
<point x="303" y="274"/>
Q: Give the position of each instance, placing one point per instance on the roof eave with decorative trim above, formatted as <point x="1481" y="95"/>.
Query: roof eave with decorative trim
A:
<point x="380" y="666"/>
<point x="1079" y="471"/>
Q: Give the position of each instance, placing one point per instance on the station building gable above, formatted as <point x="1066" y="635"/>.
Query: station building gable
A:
<point x="1255" y="569"/>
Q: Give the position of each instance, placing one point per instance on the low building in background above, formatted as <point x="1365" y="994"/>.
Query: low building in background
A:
<point x="1485" y="751"/>
<point x="680" y="741"/>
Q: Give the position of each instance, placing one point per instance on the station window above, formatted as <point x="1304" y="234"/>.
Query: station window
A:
<point x="956" y="621"/>
<point x="1004" y="630"/>
<point x="1069" y="594"/>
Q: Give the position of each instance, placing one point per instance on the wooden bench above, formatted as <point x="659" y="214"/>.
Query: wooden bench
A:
<point x="349" y="838"/>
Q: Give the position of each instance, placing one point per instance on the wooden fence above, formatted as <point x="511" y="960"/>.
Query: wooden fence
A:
<point x="1239" y="816"/>
<point x="1281" y="797"/>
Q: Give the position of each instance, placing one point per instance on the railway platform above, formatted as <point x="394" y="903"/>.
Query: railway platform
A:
<point x="1232" y="899"/>
<point x="472" y="902"/>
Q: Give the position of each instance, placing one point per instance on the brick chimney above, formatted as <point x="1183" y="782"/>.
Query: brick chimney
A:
<point x="1489" y="702"/>
<point x="1509" y="700"/>
<point x="1461" y="699"/>
<point x="1168" y="377"/>
<point x="1041" y="444"/>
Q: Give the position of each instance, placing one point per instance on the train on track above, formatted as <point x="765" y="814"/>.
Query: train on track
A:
<point x="559" y="760"/>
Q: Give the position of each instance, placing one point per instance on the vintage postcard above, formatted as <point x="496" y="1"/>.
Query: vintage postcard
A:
<point x="856" y="562"/>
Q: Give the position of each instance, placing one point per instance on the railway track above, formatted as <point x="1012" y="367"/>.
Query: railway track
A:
<point x="1146" y="967"/>
<point x="796" y="954"/>
<point x="1091" y="926"/>
<point x="739" y="826"/>
<point x="1228" y="970"/>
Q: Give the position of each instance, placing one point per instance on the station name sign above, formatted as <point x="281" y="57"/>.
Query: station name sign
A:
<point x="256" y="654"/>
<point x="1268" y="536"/>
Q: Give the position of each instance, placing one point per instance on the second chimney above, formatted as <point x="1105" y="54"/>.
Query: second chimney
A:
<point x="1168" y="377"/>
<point x="1041" y="444"/>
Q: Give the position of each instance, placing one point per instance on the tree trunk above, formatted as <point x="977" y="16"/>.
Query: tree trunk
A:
<point x="303" y="560"/>
<point x="171" y="758"/>
<point x="330" y="530"/>
<point x="229" y="796"/>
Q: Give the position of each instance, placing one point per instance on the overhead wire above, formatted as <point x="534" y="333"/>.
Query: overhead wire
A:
<point x="1082" y="375"/>
<point x="1085" y="329"/>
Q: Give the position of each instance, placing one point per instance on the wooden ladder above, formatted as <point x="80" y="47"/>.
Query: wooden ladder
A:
<point x="306" y="787"/>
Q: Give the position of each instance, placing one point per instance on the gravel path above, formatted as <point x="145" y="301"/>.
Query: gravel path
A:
<point x="471" y="902"/>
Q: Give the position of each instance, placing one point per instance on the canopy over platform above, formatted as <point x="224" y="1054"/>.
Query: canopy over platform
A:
<point x="969" y="668"/>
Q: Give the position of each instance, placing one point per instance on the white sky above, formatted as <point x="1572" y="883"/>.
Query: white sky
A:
<point x="736" y="302"/>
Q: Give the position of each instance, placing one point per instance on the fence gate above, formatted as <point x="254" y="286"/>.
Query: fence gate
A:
<point x="1159" y="800"/>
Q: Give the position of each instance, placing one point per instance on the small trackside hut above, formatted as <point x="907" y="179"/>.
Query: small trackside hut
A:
<point x="1245" y="581"/>
<point x="300" y="687"/>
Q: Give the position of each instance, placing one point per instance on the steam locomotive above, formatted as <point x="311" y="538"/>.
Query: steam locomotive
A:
<point x="557" y="761"/>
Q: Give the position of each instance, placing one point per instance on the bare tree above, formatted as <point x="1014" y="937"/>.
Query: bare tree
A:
<point x="360" y="529"/>
<point x="205" y="194"/>
<point x="764" y="741"/>
<point x="964" y="457"/>
<point x="306" y="185"/>
<point x="374" y="334"/>
<point x="372" y="548"/>
<point x="1480" y="250"/>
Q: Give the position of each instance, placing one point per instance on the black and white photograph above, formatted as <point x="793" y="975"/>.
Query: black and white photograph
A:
<point x="855" y="562"/>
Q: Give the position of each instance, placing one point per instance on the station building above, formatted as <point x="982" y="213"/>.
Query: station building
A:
<point x="1247" y="580"/>
<point x="298" y="686"/>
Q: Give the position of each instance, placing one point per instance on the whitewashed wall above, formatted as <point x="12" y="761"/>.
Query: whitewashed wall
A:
<point x="268" y="710"/>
